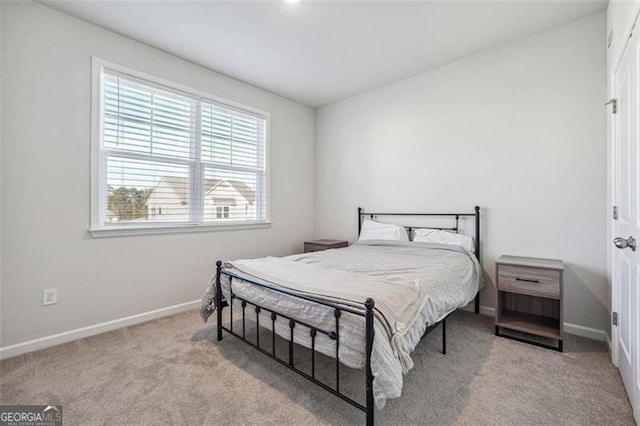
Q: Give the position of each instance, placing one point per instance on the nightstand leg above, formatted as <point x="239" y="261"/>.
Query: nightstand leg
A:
<point x="497" y="330"/>
<point x="559" y="345"/>
<point x="444" y="336"/>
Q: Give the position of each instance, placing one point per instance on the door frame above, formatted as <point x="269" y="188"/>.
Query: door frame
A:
<point x="612" y="201"/>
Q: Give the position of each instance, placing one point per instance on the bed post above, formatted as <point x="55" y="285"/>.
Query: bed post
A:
<point x="444" y="336"/>
<point x="219" y="299"/>
<point x="368" y="304"/>
<point x="477" y="209"/>
<point x="359" y="220"/>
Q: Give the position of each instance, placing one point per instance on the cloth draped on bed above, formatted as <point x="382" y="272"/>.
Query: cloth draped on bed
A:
<point x="414" y="285"/>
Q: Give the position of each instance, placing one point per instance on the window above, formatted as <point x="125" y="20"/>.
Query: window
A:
<point x="222" y="212"/>
<point x="166" y="156"/>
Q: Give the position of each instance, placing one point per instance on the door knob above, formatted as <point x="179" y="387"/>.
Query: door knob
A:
<point x="621" y="243"/>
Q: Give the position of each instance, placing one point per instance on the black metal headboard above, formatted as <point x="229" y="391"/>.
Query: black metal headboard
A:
<point x="455" y="228"/>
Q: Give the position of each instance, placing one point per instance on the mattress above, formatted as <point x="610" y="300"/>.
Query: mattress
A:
<point x="413" y="284"/>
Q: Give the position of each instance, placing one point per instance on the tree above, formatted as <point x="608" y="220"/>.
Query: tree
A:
<point x="129" y="203"/>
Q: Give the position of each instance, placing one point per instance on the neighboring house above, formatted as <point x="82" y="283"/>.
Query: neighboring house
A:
<point x="228" y="199"/>
<point x="223" y="199"/>
<point x="112" y="216"/>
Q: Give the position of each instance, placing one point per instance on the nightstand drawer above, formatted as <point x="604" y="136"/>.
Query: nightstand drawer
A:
<point x="531" y="281"/>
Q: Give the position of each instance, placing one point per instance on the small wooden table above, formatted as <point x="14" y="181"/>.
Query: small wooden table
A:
<point x="319" y="245"/>
<point x="529" y="299"/>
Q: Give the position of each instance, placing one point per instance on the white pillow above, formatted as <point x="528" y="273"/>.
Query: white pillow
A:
<point x="372" y="230"/>
<point x="444" y="237"/>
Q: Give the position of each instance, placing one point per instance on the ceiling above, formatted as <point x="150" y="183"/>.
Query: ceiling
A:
<point x="318" y="52"/>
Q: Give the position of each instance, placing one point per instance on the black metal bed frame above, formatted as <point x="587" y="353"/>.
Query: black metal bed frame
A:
<point x="367" y="312"/>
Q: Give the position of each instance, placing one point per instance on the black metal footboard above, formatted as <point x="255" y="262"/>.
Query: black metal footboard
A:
<point x="334" y="334"/>
<point x="366" y="312"/>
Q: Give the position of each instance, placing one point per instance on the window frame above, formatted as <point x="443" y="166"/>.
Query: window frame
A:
<point x="99" y="226"/>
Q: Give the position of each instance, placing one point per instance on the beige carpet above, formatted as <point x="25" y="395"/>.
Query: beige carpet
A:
<point x="172" y="371"/>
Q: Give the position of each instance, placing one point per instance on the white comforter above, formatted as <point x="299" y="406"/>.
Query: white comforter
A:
<point x="413" y="284"/>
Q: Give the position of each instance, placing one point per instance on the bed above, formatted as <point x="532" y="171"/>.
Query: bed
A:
<point x="367" y="305"/>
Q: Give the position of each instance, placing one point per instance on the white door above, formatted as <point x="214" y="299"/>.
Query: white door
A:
<point x="627" y="228"/>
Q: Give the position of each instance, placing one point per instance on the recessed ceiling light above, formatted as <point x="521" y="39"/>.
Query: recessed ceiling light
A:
<point x="292" y="1"/>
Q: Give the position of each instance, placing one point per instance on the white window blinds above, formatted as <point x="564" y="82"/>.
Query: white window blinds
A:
<point x="233" y="160"/>
<point x="172" y="157"/>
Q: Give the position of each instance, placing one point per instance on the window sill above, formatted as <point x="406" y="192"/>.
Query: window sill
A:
<point x="123" y="231"/>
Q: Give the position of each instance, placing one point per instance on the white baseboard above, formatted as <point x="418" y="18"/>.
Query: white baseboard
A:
<point x="588" y="332"/>
<point x="92" y="330"/>
<point x="484" y="310"/>
<point x="578" y="330"/>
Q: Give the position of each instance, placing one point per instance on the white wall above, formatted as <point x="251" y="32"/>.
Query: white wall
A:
<point x="45" y="209"/>
<point x="1" y="223"/>
<point x="519" y="130"/>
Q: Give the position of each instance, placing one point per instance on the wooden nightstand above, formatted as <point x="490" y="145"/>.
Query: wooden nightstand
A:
<point x="529" y="299"/>
<point x="319" y="245"/>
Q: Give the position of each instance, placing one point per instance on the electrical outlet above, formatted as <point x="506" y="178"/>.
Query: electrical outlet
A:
<point x="49" y="296"/>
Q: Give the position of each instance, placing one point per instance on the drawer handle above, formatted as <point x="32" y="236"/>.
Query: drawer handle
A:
<point x="527" y="280"/>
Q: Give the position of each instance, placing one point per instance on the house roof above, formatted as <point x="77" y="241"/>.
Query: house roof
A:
<point x="180" y="187"/>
